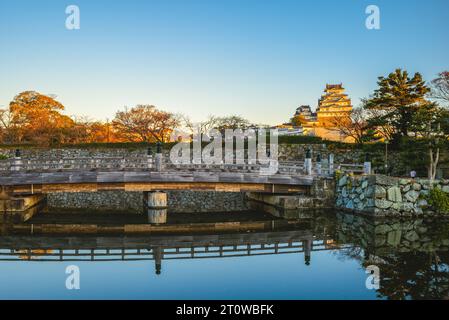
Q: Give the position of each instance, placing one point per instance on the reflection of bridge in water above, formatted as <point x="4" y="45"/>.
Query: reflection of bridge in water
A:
<point x="102" y="249"/>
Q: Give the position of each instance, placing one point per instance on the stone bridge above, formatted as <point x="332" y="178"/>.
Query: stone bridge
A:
<point x="32" y="178"/>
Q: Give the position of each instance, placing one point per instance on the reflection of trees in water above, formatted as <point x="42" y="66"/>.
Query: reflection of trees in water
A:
<point x="350" y="253"/>
<point x="32" y="254"/>
<point x="412" y="254"/>
<point x="414" y="275"/>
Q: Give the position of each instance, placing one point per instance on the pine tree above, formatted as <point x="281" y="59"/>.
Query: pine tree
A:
<point x="396" y="101"/>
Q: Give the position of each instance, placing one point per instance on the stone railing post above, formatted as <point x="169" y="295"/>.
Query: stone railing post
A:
<point x="17" y="163"/>
<point x="367" y="165"/>
<point x="331" y="163"/>
<point x="318" y="164"/>
<point x="158" y="158"/>
<point x="308" y="162"/>
<point x="149" y="158"/>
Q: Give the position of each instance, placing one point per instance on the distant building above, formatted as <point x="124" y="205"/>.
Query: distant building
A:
<point x="334" y="103"/>
<point x="305" y="114"/>
<point x="287" y="129"/>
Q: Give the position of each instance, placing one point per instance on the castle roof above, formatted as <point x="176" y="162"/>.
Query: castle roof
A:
<point x="334" y="86"/>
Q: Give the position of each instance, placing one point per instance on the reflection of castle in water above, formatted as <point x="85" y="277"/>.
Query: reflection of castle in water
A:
<point x="163" y="247"/>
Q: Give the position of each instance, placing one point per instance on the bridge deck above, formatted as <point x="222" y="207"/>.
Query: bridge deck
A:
<point x="93" y="181"/>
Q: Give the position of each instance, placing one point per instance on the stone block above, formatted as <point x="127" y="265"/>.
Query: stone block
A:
<point x="394" y="194"/>
<point x="387" y="180"/>
<point x="380" y="192"/>
<point x="416" y="186"/>
<point x="412" y="196"/>
<point x="394" y="238"/>
<point x="383" y="204"/>
<point x="411" y="236"/>
<point x="343" y="181"/>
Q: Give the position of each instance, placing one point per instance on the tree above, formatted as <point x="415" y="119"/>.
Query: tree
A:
<point x="397" y="100"/>
<point x="232" y="122"/>
<point x="7" y="133"/>
<point x="85" y="130"/>
<point x="353" y="125"/>
<point x="440" y="88"/>
<point x="37" y="118"/>
<point x="101" y="132"/>
<point x="203" y="126"/>
<point x="431" y="125"/>
<point x="298" y="120"/>
<point x="144" y="123"/>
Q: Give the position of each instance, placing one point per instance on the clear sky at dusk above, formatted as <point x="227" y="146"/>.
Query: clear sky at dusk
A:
<point x="259" y="59"/>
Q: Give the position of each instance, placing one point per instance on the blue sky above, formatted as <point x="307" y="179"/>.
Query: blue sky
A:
<point x="259" y="59"/>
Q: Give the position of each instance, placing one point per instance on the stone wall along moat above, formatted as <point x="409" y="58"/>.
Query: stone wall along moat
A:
<point x="381" y="195"/>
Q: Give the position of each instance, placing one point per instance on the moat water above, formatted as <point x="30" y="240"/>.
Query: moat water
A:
<point x="325" y="256"/>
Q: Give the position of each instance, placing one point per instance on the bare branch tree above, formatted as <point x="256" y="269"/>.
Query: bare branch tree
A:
<point x="145" y="123"/>
<point x="353" y="125"/>
<point x="440" y="88"/>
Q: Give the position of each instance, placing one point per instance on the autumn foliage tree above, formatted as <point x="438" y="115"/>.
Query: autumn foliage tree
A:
<point x="144" y="123"/>
<point x="36" y="118"/>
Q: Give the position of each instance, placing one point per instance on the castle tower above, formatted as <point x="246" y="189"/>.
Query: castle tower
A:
<point x="304" y="115"/>
<point x="334" y="103"/>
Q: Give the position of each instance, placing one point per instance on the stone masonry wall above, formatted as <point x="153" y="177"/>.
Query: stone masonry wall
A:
<point x="287" y="152"/>
<point x="382" y="235"/>
<point x="178" y="201"/>
<point x="381" y="195"/>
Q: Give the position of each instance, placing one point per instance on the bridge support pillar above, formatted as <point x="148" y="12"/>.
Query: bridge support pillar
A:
<point x="307" y="245"/>
<point x="158" y="256"/>
<point x="20" y="208"/>
<point x="155" y="206"/>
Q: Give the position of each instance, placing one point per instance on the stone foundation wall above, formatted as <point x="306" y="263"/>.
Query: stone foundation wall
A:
<point x="382" y="235"/>
<point x="178" y="201"/>
<point x="381" y="195"/>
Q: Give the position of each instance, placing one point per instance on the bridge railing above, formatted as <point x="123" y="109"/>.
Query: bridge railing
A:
<point x="79" y="163"/>
<point x="167" y="253"/>
<point x="147" y="163"/>
<point x="351" y="168"/>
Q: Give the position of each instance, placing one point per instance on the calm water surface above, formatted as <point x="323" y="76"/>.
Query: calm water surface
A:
<point x="325" y="258"/>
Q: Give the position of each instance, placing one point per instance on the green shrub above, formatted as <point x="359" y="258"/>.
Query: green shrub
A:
<point x="439" y="199"/>
<point x="300" y="140"/>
